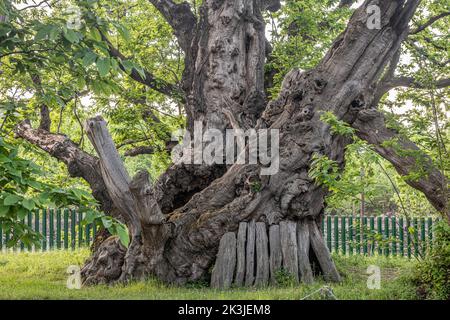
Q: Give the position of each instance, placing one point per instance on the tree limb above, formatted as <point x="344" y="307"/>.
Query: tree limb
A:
<point x="79" y="163"/>
<point x="413" y="83"/>
<point x="429" y="22"/>
<point x="180" y="18"/>
<point x="139" y="209"/>
<point x="405" y="156"/>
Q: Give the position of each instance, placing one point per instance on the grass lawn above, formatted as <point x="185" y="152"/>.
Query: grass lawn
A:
<point x="43" y="276"/>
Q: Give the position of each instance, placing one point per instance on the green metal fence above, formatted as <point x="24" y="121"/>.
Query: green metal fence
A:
<point x="348" y="235"/>
<point x="390" y="236"/>
<point x="60" y="229"/>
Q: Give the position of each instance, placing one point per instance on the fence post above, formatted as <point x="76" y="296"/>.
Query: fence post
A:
<point x="80" y="230"/>
<point x="66" y="229"/>
<point x="88" y="234"/>
<point x="416" y="237"/>
<point x="7" y="233"/>
<point x="364" y="233"/>
<point x="386" y="233"/>
<point x="22" y="245"/>
<point x="422" y="236"/>
<point x="430" y="233"/>
<point x="358" y="235"/>
<point x="343" y="235"/>
<point x="336" y="234"/>
<point x="350" y="227"/>
<point x="401" y="233"/>
<point x="372" y="234"/>
<point x="329" y="233"/>
<point x="52" y="229"/>
<point x="408" y="239"/>
<point x="394" y="236"/>
<point x="73" y="234"/>
<point x="380" y="235"/>
<point x="58" y="229"/>
<point x="44" y="230"/>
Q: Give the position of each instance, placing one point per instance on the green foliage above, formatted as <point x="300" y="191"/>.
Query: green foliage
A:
<point x="324" y="171"/>
<point x="114" y="226"/>
<point x="284" y="278"/>
<point x="21" y="191"/>
<point x="337" y="126"/>
<point x="432" y="275"/>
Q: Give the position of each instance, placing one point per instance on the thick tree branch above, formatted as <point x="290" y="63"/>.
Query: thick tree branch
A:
<point x="139" y="211"/>
<point x="405" y="156"/>
<point x="429" y="22"/>
<point x="46" y="121"/>
<point x="79" y="163"/>
<point x="180" y="18"/>
<point x="413" y="83"/>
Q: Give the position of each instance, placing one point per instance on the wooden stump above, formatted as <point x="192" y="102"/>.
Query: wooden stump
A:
<point x="303" y="244"/>
<point x="223" y="271"/>
<point x="323" y="255"/>
<point x="262" y="255"/>
<point x="289" y="250"/>
<point x="250" y="254"/>
<point x="275" y="251"/>
<point x="240" y="253"/>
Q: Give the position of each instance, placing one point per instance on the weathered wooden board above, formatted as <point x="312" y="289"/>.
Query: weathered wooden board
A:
<point x="240" y="254"/>
<point x="262" y="255"/>
<point x="223" y="271"/>
<point x="322" y="253"/>
<point x="250" y="254"/>
<point x="289" y="250"/>
<point x="275" y="251"/>
<point x="303" y="244"/>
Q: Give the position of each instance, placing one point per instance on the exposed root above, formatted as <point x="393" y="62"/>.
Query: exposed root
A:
<point x="105" y="265"/>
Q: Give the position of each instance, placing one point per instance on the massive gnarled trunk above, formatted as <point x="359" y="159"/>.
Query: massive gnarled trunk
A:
<point x="177" y="223"/>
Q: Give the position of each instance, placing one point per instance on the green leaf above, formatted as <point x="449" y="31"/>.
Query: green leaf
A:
<point x="107" y="222"/>
<point x="29" y="204"/>
<point x="3" y="210"/>
<point x="71" y="36"/>
<point x="123" y="31"/>
<point x="95" y="34"/>
<point x="128" y="66"/>
<point x="124" y="237"/>
<point x="103" y="66"/>
<point x="11" y="199"/>
<point x="42" y="33"/>
<point x="89" y="59"/>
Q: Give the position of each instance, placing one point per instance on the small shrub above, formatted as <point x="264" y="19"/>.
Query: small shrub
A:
<point x="432" y="275"/>
<point x="284" y="278"/>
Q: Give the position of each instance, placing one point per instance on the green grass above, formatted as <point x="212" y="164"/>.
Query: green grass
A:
<point x="43" y="276"/>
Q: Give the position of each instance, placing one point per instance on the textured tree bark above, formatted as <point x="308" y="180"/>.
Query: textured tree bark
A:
<point x="176" y="225"/>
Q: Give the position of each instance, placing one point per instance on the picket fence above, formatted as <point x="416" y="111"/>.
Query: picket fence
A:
<point x="348" y="235"/>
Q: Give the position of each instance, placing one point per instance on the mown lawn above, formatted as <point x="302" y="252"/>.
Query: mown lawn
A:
<point x="43" y="276"/>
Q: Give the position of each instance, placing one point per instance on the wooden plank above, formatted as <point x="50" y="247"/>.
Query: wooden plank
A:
<point x="240" y="254"/>
<point x="289" y="250"/>
<point x="303" y="244"/>
<point x="223" y="271"/>
<point x="322" y="253"/>
<point x="262" y="255"/>
<point x="250" y="254"/>
<point x="275" y="251"/>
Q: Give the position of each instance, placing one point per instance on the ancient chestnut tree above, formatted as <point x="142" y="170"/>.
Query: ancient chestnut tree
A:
<point x="176" y="223"/>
